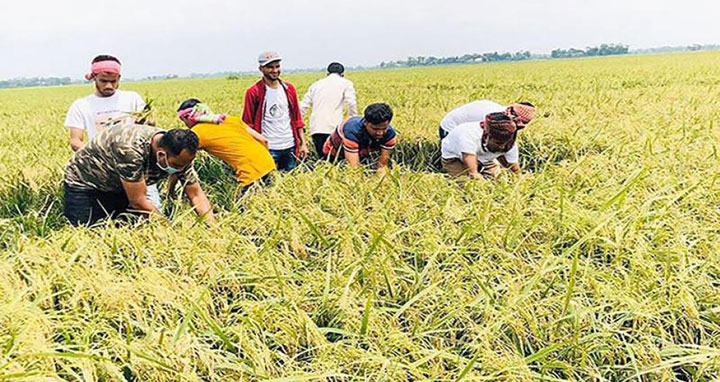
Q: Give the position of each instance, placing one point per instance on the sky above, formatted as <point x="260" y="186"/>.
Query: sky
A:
<point x="160" y="37"/>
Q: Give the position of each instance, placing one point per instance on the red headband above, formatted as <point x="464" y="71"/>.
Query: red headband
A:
<point x="108" y="66"/>
<point x="524" y="112"/>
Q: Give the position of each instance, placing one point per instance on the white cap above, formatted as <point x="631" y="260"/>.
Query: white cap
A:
<point x="267" y="57"/>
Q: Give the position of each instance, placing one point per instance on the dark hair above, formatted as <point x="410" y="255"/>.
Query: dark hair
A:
<point x="177" y="140"/>
<point x="336" y="67"/>
<point x="526" y="103"/>
<point x="378" y="113"/>
<point x="105" y="57"/>
<point x="188" y="103"/>
<point x="499" y="116"/>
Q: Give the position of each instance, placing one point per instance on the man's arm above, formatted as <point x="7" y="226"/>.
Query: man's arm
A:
<point x="353" y="159"/>
<point x="200" y="202"/>
<point x="250" y="108"/>
<point x="76" y="138"/>
<point x="383" y="161"/>
<point x="470" y="161"/>
<point x="171" y="183"/>
<point x="514" y="167"/>
<point x="303" y="151"/>
<point x="258" y="137"/>
<point x="306" y="102"/>
<point x="137" y="196"/>
<point x="511" y="159"/>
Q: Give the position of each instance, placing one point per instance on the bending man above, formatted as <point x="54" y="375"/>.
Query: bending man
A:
<point x="475" y="149"/>
<point x="231" y="140"/>
<point x="109" y="176"/>
<point x="357" y="137"/>
<point x="522" y="113"/>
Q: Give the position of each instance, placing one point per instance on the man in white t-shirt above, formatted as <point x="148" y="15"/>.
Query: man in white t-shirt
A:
<point x="476" y="111"/>
<point x="106" y="108"/>
<point x="475" y="148"/>
<point x="329" y="98"/>
<point x="272" y="109"/>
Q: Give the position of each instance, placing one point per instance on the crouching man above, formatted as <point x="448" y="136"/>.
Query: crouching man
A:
<point x="478" y="149"/>
<point x="357" y="137"/>
<point x="109" y="176"/>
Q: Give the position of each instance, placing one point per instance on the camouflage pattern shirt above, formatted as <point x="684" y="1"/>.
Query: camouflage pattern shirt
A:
<point x="122" y="153"/>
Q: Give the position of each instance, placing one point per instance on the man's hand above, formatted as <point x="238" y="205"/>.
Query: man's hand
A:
<point x="381" y="171"/>
<point x="200" y="202"/>
<point x="258" y="137"/>
<point x="76" y="138"/>
<point x="383" y="162"/>
<point x="304" y="151"/>
<point x="352" y="159"/>
<point x="137" y="196"/>
<point x="471" y="163"/>
<point x="477" y="175"/>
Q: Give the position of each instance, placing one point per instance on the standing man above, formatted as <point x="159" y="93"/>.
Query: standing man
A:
<point x="106" y="108"/>
<point x="478" y="149"/>
<point x="476" y="111"/>
<point x="271" y="109"/>
<point x="357" y="137"/>
<point x="109" y="176"/>
<point x="230" y="139"/>
<point x="329" y="98"/>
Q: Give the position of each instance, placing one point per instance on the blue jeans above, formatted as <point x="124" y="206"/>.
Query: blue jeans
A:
<point x="284" y="159"/>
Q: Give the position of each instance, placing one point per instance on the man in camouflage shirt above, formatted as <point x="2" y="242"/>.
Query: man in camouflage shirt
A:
<point x="109" y="176"/>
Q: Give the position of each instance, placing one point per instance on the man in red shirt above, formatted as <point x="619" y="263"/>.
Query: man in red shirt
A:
<point x="272" y="109"/>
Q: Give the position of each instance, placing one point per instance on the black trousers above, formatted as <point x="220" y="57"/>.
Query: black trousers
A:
<point x="83" y="207"/>
<point x="319" y="142"/>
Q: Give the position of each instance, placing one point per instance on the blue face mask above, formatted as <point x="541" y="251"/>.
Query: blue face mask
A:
<point x="169" y="169"/>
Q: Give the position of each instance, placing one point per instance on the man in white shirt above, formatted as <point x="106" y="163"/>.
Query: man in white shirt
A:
<point x="272" y="109"/>
<point x="106" y="108"/>
<point x="475" y="148"/>
<point x="476" y="111"/>
<point x="329" y="98"/>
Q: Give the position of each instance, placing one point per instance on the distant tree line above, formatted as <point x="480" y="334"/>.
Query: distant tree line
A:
<point x="668" y="49"/>
<point x="465" y="59"/>
<point x="35" y="81"/>
<point x="161" y="78"/>
<point x="602" y="50"/>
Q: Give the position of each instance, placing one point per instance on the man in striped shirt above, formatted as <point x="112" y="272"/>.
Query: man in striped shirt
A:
<point x="358" y="136"/>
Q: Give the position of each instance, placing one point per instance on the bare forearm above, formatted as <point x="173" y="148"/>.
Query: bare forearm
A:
<point x="470" y="162"/>
<point x="383" y="161"/>
<point x="352" y="159"/>
<point x="76" y="144"/>
<point x="199" y="201"/>
<point x="202" y="206"/>
<point x="144" y="207"/>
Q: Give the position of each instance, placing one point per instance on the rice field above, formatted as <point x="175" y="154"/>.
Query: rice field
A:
<point x="600" y="263"/>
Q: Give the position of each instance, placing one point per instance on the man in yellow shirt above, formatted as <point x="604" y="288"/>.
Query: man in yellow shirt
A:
<point x="231" y="140"/>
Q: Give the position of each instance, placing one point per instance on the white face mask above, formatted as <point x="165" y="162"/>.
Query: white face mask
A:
<point x="168" y="169"/>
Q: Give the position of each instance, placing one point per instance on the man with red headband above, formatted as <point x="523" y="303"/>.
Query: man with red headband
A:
<point x="106" y="108"/>
<point x="478" y="148"/>
<point x="522" y="113"/>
